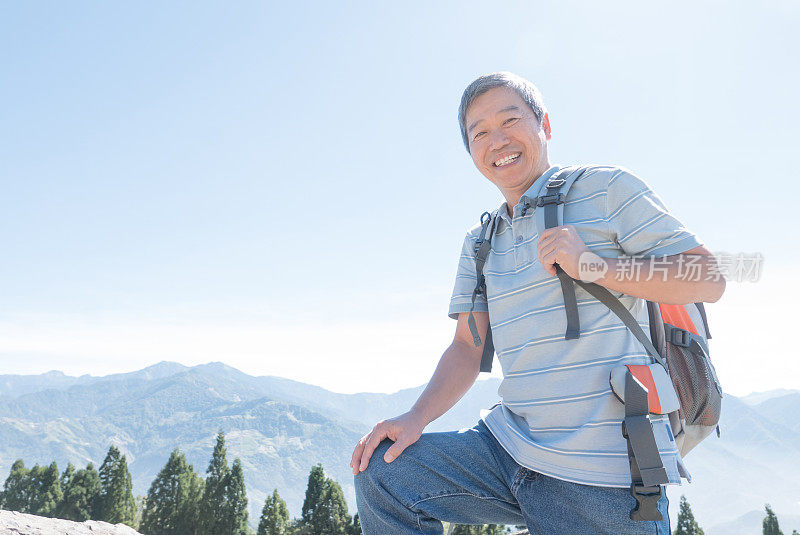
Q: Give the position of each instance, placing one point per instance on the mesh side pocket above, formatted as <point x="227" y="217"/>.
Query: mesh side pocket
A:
<point x="694" y="382"/>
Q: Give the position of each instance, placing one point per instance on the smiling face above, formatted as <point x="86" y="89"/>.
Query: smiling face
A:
<point x="506" y="141"/>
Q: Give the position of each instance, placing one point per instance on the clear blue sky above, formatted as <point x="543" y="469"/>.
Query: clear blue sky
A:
<point x="282" y="186"/>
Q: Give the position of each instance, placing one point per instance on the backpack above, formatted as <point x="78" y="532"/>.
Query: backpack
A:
<point x="680" y="382"/>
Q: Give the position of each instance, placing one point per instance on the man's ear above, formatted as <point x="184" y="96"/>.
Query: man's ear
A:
<point x="546" y="125"/>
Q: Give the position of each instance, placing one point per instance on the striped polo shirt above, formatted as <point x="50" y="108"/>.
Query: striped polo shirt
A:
<point x="558" y="415"/>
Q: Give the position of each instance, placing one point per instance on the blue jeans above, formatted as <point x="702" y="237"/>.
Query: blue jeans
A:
<point x="466" y="477"/>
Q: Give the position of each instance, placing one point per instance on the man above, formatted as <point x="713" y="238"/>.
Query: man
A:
<point x="551" y="455"/>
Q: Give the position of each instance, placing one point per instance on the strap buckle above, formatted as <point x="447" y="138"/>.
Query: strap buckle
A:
<point x="556" y="182"/>
<point x="550" y="199"/>
<point x="526" y="205"/>
<point x="680" y="337"/>
<point x="646" y="502"/>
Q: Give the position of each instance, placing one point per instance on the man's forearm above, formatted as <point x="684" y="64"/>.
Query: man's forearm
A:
<point x="454" y="375"/>
<point x="675" y="279"/>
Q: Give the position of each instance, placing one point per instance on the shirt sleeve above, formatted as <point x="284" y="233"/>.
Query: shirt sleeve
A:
<point x="466" y="279"/>
<point x="640" y="222"/>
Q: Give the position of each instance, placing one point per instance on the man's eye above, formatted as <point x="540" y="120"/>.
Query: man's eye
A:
<point x="478" y="136"/>
<point x="509" y="122"/>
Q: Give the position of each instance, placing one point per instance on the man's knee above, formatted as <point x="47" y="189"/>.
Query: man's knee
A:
<point x="378" y="470"/>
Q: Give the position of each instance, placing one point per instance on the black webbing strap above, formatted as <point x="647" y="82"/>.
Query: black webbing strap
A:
<point x="647" y="469"/>
<point x="683" y="338"/>
<point x="488" y="351"/>
<point x="482" y="247"/>
<point x="550" y="199"/>
<point x="640" y="434"/>
<point x="615" y="305"/>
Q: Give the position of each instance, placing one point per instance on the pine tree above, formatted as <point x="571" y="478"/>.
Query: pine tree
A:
<point x="355" y="527"/>
<point x="140" y="503"/>
<point x="66" y="477"/>
<point x="298" y="526"/>
<point x="16" y="489"/>
<point x="487" y="529"/>
<point x="274" y="516"/>
<point x="213" y="509"/>
<point x="687" y="525"/>
<point x="770" y="524"/>
<point x="462" y="529"/>
<point x="330" y="517"/>
<point x="81" y="495"/>
<point x="117" y="504"/>
<point x="173" y="501"/>
<point x="45" y="490"/>
<point x="190" y="514"/>
<point x="90" y="499"/>
<point x="314" y="490"/>
<point x="236" y="500"/>
<point x="66" y="483"/>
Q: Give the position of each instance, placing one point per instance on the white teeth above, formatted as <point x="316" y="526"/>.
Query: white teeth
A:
<point x="507" y="159"/>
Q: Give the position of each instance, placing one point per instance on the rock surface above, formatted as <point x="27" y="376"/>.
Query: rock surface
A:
<point x="16" y="523"/>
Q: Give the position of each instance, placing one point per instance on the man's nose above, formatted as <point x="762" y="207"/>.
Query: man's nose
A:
<point x="497" y="139"/>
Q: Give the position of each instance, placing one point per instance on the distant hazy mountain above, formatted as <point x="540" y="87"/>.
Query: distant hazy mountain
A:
<point x="16" y="385"/>
<point x="755" y="461"/>
<point x="279" y="428"/>
<point x="759" y="397"/>
<point x="148" y="414"/>
<point x="782" y="409"/>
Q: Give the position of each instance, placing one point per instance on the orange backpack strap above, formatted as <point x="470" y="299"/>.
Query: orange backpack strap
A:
<point x="678" y="316"/>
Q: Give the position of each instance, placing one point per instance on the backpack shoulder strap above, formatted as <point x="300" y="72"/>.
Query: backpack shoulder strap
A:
<point x="549" y="214"/>
<point x="482" y="247"/>
<point x="552" y="197"/>
<point x="615" y="305"/>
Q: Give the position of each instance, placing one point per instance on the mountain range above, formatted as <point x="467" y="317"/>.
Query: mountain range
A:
<point x="280" y="428"/>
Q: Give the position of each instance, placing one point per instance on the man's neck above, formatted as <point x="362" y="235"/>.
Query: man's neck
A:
<point x="513" y="196"/>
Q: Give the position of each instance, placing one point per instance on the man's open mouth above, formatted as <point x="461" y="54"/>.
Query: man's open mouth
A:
<point x="511" y="158"/>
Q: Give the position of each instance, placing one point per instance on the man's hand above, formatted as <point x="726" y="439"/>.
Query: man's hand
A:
<point x="404" y="430"/>
<point x="561" y="245"/>
<point x="456" y="372"/>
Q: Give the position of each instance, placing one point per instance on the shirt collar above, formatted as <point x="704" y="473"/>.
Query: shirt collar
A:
<point x="531" y="193"/>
